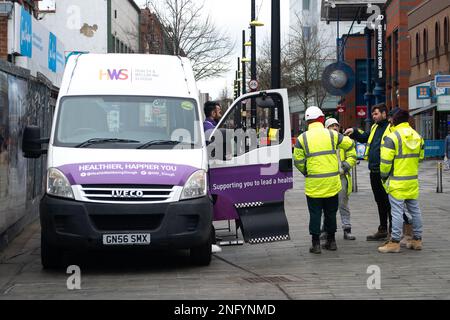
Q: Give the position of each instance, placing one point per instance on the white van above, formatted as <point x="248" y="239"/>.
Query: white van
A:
<point x="128" y="162"/>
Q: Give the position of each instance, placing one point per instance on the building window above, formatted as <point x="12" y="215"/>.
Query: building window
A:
<point x="425" y="42"/>
<point x="446" y="31"/>
<point x="306" y="32"/>
<point x="437" y="37"/>
<point x="306" y="5"/>
<point x="115" y="14"/>
<point x="417" y="45"/>
<point x="117" y="46"/>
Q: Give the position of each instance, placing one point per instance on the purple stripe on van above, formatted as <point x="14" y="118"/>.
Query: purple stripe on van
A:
<point x="127" y="173"/>
<point x="246" y="184"/>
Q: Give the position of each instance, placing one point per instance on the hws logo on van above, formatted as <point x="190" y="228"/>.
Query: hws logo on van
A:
<point x="127" y="193"/>
<point x="113" y="74"/>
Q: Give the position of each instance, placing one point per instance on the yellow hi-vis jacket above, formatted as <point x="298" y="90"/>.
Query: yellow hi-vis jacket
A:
<point x="350" y="157"/>
<point x="315" y="157"/>
<point x="372" y="133"/>
<point x="401" y="152"/>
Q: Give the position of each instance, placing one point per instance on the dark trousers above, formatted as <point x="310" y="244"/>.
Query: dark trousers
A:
<point x="382" y="200"/>
<point x="329" y="207"/>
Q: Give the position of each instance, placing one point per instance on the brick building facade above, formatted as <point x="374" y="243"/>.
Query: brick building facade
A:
<point x="153" y="37"/>
<point x="429" y="32"/>
<point x="3" y="37"/>
<point x="398" y="52"/>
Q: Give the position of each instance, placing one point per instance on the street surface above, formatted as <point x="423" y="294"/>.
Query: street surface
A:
<point x="282" y="270"/>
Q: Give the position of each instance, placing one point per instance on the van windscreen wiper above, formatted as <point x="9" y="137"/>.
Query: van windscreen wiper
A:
<point x="104" y="140"/>
<point x="158" y="142"/>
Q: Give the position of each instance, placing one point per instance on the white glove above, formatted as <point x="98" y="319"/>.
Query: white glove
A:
<point x="348" y="132"/>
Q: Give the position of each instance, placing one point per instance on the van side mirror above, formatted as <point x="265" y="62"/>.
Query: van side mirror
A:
<point x="32" y="142"/>
<point x="265" y="102"/>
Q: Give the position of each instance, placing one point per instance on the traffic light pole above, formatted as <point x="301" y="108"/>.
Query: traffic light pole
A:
<point x="276" y="46"/>
<point x="253" y="62"/>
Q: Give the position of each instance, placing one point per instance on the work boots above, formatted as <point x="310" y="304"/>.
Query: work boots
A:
<point x="315" y="247"/>
<point x="330" y="244"/>
<point x="415" y="244"/>
<point x="407" y="234"/>
<point x="391" y="246"/>
<point x="380" y="235"/>
<point x="348" y="234"/>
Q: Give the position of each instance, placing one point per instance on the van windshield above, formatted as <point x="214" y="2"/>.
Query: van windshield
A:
<point x="127" y="122"/>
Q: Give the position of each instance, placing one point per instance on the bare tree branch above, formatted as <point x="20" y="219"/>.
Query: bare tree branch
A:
<point x="195" y="36"/>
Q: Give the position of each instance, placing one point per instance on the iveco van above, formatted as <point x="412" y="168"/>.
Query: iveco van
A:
<point x="128" y="164"/>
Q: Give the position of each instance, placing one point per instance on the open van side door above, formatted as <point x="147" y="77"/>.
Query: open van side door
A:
<point x="250" y="165"/>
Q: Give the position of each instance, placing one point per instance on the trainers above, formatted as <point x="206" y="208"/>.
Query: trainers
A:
<point x="414" y="244"/>
<point x="215" y="248"/>
<point x="315" y="248"/>
<point x="380" y="235"/>
<point x="390" y="247"/>
<point x="348" y="235"/>
<point x="330" y="245"/>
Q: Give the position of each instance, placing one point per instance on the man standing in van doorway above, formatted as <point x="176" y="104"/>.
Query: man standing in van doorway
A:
<point x="213" y="113"/>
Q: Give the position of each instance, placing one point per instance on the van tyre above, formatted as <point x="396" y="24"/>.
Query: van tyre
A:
<point x="201" y="255"/>
<point x="51" y="257"/>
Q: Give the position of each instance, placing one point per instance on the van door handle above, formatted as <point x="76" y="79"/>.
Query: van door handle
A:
<point x="285" y="165"/>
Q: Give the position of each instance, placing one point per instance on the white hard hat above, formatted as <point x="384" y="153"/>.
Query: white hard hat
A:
<point x="330" y="122"/>
<point x="313" y="113"/>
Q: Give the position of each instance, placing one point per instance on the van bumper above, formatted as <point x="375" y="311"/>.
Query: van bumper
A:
<point x="81" y="225"/>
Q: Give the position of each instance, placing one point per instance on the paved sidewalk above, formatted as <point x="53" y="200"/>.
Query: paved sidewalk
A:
<point x="283" y="270"/>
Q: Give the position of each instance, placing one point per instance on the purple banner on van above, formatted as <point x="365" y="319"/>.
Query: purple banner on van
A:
<point x="246" y="184"/>
<point x="127" y="173"/>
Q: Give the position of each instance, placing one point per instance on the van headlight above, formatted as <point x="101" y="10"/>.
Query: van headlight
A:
<point x="58" y="185"/>
<point x="195" y="186"/>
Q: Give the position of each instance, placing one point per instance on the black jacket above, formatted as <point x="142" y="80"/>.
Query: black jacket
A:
<point x="375" y="145"/>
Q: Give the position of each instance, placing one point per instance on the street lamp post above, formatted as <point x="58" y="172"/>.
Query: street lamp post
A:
<point x="253" y="39"/>
<point x="238" y="74"/>
<point x="244" y="85"/>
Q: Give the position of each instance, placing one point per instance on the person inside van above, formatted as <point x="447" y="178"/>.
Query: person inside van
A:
<point x="213" y="113"/>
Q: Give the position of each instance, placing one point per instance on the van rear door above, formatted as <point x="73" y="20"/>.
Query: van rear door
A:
<point x="250" y="159"/>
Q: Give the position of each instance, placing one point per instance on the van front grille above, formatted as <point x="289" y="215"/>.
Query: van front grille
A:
<point x="127" y="193"/>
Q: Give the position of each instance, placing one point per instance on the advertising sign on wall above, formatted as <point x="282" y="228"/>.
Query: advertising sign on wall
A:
<point x="423" y="92"/>
<point x="37" y="43"/>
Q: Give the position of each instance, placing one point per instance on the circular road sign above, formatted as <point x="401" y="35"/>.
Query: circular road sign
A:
<point x="253" y="85"/>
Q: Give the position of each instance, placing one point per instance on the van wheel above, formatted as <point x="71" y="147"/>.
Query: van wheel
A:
<point x="51" y="257"/>
<point x="201" y="255"/>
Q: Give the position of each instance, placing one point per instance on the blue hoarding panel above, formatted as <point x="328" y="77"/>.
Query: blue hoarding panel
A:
<point x="434" y="148"/>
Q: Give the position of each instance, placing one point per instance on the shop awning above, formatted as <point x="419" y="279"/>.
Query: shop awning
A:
<point x="423" y="109"/>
